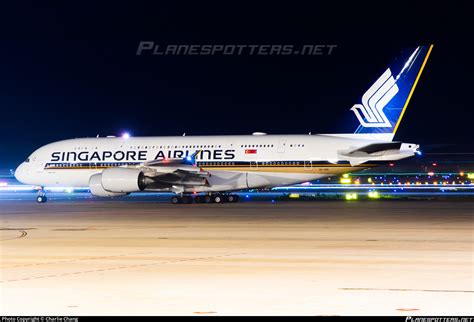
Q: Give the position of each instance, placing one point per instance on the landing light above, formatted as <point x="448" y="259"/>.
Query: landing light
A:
<point x="126" y="135"/>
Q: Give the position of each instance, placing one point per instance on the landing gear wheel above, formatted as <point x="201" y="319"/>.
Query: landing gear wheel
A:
<point x="175" y="200"/>
<point x="41" y="199"/>
<point x="208" y="199"/>
<point x="187" y="199"/>
<point x="218" y="199"/>
<point x="232" y="198"/>
<point x="198" y="199"/>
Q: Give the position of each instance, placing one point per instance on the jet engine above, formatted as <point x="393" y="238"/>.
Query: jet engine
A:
<point x="117" y="182"/>
<point x="95" y="184"/>
<point x="123" y="180"/>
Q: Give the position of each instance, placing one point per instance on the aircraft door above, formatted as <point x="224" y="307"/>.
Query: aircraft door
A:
<point x="281" y="146"/>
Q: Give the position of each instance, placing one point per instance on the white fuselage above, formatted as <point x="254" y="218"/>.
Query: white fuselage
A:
<point x="234" y="162"/>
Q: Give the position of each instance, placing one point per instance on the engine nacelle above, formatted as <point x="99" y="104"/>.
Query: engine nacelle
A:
<point x="123" y="180"/>
<point x="95" y="184"/>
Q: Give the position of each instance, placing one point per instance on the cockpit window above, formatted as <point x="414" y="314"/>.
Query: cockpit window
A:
<point x="27" y="160"/>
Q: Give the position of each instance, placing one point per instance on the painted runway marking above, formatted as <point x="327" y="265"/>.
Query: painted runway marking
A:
<point x="23" y="234"/>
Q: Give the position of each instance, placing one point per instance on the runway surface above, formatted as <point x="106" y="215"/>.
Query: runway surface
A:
<point x="115" y="257"/>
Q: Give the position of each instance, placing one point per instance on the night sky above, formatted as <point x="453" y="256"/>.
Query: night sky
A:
<point x="72" y="71"/>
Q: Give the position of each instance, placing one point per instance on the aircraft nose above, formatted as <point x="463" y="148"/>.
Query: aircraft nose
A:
<point x="21" y="173"/>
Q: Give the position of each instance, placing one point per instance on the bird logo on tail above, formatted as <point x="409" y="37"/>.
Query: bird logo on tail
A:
<point x="370" y="112"/>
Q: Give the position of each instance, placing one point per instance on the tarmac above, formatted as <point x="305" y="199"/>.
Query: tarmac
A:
<point x="86" y="256"/>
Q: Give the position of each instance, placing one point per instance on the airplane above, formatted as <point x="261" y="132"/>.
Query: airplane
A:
<point x="209" y="168"/>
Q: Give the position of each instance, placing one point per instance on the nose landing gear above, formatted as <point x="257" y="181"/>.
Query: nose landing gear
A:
<point x="41" y="198"/>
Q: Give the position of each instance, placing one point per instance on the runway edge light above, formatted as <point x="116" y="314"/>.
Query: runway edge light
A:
<point x="374" y="195"/>
<point x="345" y="179"/>
<point x="351" y="196"/>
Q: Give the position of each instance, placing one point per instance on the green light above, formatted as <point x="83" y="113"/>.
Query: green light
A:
<point x="345" y="179"/>
<point x="351" y="196"/>
<point x="374" y="195"/>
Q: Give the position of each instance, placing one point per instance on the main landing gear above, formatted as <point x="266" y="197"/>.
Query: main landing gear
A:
<point x="212" y="198"/>
<point x="41" y="197"/>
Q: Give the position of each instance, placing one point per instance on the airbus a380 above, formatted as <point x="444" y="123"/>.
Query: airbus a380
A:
<point x="218" y="165"/>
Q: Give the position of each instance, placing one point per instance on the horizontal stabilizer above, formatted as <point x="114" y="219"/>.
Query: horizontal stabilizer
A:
<point x="377" y="147"/>
<point x="375" y="152"/>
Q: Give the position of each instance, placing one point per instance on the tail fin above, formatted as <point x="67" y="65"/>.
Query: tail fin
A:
<point x="382" y="106"/>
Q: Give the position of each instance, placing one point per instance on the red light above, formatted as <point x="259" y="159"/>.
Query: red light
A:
<point x="431" y="173"/>
<point x="391" y="164"/>
<point x="435" y="164"/>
